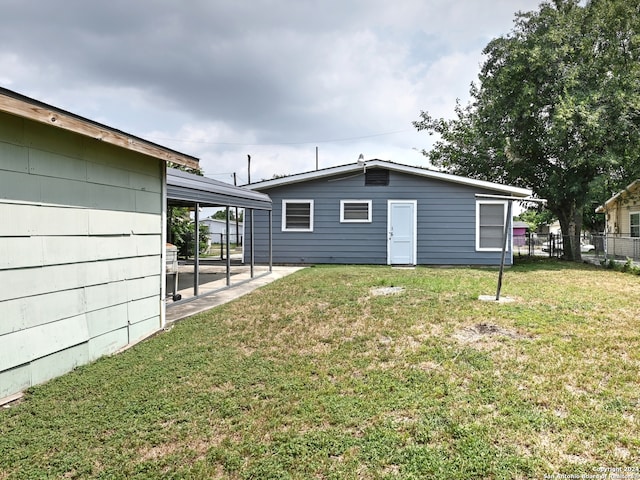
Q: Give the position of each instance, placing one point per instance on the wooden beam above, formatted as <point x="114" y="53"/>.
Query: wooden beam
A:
<point x="66" y="121"/>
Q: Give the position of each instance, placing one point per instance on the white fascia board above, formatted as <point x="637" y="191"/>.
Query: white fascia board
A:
<point x="447" y="177"/>
<point x="355" y="167"/>
<point x="303" y="177"/>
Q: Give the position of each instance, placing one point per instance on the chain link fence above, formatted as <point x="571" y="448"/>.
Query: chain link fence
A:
<point x="596" y="246"/>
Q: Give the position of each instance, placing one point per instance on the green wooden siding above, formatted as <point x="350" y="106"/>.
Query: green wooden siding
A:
<point x="80" y="250"/>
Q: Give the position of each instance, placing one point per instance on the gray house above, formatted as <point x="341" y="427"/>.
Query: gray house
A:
<point x="381" y="212"/>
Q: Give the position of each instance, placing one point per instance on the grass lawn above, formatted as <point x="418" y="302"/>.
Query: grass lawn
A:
<point x="316" y="376"/>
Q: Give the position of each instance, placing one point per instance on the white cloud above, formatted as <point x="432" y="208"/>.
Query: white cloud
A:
<point x="270" y="78"/>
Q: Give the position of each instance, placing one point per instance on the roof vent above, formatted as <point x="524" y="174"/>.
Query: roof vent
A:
<point x="376" y="177"/>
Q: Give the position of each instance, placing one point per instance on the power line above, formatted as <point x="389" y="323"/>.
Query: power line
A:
<point x="239" y="144"/>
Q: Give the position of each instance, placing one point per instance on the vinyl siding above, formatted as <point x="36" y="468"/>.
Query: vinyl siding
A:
<point x="446" y="218"/>
<point x="80" y="250"/>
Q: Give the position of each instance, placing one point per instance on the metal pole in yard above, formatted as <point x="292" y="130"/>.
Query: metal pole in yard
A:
<point x="504" y="246"/>
<point x="508" y="222"/>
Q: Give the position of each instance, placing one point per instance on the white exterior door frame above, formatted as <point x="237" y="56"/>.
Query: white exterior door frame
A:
<point x="402" y="232"/>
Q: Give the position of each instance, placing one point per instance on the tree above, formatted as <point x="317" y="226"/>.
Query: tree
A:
<point x="181" y="231"/>
<point x="557" y="108"/>
<point x="222" y="215"/>
<point x="535" y="217"/>
<point x="180" y="228"/>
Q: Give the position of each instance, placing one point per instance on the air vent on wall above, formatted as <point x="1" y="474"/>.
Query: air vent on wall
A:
<point x="376" y="176"/>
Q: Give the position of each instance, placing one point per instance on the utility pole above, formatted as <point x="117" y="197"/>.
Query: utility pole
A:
<point x="237" y="232"/>
<point x="248" y="168"/>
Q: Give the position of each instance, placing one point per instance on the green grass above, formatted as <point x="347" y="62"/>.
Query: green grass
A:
<point x="313" y="376"/>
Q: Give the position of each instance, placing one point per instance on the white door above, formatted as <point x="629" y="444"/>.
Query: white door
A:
<point x="401" y="231"/>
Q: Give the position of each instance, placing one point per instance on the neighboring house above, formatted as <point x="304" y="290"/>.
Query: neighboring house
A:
<point x="622" y="217"/>
<point x="381" y="212"/>
<point x="520" y="233"/>
<point x="82" y="237"/>
<point x="218" y="230"/>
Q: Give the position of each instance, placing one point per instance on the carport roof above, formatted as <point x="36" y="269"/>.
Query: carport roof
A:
<point x="186" y="189"/>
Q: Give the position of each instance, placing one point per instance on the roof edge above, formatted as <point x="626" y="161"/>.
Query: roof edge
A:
<point x="605" y="206"/>
<point x="20" y="105"/>
<point x="354" y="167"/>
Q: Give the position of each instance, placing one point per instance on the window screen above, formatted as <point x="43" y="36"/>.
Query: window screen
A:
<point x="490" y="225"/>
<point x="297" y="215"/>
<point x="355" y="211"/>
<point x="634" y="224"/>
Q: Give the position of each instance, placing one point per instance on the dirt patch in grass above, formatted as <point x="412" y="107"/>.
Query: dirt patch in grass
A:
<point x="483" y="331"/>
<point x="382" y="291"/>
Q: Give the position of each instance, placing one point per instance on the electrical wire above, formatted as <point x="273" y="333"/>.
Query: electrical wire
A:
<point x="239" y="144"/>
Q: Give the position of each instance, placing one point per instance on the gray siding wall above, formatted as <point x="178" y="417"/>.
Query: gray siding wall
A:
<point x="446" y="217"/>
<point x="80" y="250"/>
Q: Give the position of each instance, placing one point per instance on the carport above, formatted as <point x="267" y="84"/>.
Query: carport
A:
<point x="195" y="192"/>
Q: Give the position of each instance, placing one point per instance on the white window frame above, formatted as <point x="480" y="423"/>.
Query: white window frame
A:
<point x="284" y="215"/>
<point x="631" y="214"/>
<point x="479" y="203"/>
<point x="360" y="220"/>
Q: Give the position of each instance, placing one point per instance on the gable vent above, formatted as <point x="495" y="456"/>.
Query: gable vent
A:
<point x="376" y="176"/>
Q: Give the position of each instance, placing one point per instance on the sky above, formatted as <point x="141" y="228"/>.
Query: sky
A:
<point x="296" y="84"/>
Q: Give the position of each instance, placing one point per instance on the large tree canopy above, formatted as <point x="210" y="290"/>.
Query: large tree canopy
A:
<point x="556" y="108"/>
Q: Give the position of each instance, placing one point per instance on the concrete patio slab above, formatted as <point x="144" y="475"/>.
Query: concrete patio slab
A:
<point x="220" y="293"/>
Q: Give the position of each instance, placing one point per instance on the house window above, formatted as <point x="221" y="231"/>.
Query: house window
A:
<point x="490" y="218"/>
<point x="634" y="224"/>
<point x="297" y="215"/>
<point x="376" y="176"/>
<point x="355" y="211"/>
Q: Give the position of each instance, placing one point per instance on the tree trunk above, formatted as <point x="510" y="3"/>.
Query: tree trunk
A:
<point x="571" y="225"/>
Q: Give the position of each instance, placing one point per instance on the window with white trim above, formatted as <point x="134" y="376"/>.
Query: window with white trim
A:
<point x="634" y="224"/>
<point x="355" y="211"/>
<point x="297" y="215"/>
<point x="490" y="216"/>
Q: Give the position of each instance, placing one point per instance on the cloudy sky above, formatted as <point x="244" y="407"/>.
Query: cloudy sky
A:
<point x="221" y="79"/>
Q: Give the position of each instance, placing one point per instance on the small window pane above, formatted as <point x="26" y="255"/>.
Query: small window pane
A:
<point x="298" y="215"/>
<point x="491" y="214"/>
<point x="634" y="220"/>
<point x="491" y="225"/>
<point x="355" y="211"/>
<point x="491" y="237"/>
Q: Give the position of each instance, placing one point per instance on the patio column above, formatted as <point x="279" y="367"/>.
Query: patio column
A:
<point x="252" y="237"/>
<point x="270" y="242"/>
<point x="228" y="252"/>
<point x="196" y="255"/>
